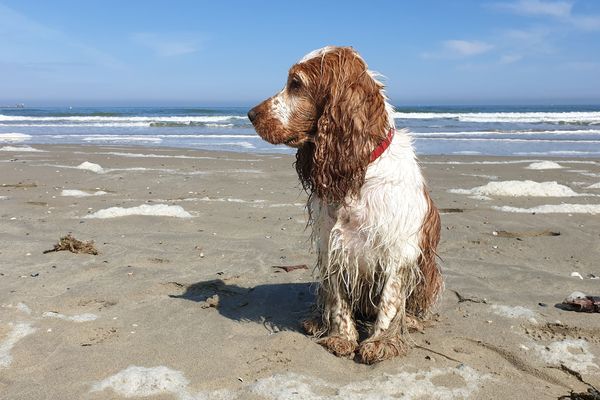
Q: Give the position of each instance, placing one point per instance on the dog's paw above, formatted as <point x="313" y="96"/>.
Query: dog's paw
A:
<point x="312" y="326"/>
<point x="338" y="345"/>
<point x="372" y="351"/>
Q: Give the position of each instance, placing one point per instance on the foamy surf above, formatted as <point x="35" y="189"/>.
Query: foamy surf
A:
<point x="156" y="210"/>
<point x="117" y="138"/>
<point x="583" y="118"/>
<point x="14" y="137"/>
<point x="20" y="149"/>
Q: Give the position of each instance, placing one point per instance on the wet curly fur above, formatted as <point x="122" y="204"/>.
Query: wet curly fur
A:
<point x="374" y="226"/>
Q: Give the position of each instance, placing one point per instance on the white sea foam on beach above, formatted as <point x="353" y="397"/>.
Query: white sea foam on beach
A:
<point x="24" y="308"/>
<point x="17" y="149"/>
<point x="544" y="165"/>
<point x="520" y="189"/>
<point x="246" y="145"/>
<point x="118" y="138"/>
<point x="86" y="165"/>
<point x="594" y="186"/>
<point x="3" y="197"/>
<point x="572" y="353"/>
<point x="14" y="137"/>
<point x="141" y="155"/>
<point x="230" y="200"/>
<point x="590" y="117"/>
<point x="135" y="381"/>
<point x="446" y="162"/>
<point x="18" y="332"/>
<point x="157" y="210"/>
<point x="81" y="193"/>
<point x="404" y="385"/>
<point x="98" y="118"/>
<point x="87" y="317"/>
<point x="554" y="209"/>
<point x="513" y="311"/>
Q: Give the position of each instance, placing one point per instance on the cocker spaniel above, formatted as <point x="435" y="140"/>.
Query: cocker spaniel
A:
<point x="374" y="226"/>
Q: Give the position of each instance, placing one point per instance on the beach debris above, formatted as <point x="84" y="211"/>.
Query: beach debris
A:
<point x="508" y="234"/>
<point x="472" y="299"/>
<point x="74" y="246"/>
<point x="450" y="210"/>
<point x="290" y="268"/>
<point x="578" y="301"/>
<point x="37" y="203"/>
<point x="592" y="276"/>
<point x="591" y="394"/>
<point x="576" y="275"/>
<point x="19" y="185"/>
<point x="212" y="301"/>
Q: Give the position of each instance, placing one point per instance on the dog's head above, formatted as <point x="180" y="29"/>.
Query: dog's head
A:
<point x="334" y="111"/>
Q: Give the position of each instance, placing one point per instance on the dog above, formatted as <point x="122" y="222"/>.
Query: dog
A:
<point x="374" y="226"/>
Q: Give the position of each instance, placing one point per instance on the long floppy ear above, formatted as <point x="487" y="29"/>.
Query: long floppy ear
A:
<point x="353" y="123"/>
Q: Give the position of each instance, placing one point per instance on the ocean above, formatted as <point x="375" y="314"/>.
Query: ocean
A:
<point x="560" y="131"/>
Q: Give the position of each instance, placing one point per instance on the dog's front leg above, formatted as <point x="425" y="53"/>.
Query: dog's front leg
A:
<point x="342" y="336"/>
<point x="386" y="340"/>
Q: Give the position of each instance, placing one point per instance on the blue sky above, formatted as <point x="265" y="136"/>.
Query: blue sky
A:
<point x="236" y="53"/>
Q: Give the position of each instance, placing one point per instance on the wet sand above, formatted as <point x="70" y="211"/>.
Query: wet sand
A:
<point x="189" y="306"/>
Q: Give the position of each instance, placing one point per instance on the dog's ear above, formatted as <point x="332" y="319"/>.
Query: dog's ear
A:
<point x="353" y="123"/>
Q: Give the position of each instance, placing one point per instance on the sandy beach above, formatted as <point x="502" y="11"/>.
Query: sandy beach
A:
<point x="184" y="301"/>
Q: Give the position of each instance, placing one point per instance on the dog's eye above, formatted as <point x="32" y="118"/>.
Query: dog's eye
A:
<point x="295" y="83"/>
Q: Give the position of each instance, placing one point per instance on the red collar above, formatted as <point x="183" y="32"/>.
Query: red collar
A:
<point x="383" y="145"/>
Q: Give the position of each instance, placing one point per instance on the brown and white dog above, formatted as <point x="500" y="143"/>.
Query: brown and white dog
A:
<point x="375" y="227"/>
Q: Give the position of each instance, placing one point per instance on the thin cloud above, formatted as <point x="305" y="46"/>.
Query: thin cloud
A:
<point x="166" y="47"/>
<point x="460" y="49"/>
<point x="466" y="48"/>
<point x="16" y="27"/>
<point x="558" y="9"/>
<point x="510" y="58"/>
<point x="561" y="11"/>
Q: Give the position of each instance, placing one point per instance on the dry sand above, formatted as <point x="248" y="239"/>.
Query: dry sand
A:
<point x="188" y="305"/>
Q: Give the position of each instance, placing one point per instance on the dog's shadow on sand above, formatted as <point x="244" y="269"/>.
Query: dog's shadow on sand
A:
<point x="277" y="306"/>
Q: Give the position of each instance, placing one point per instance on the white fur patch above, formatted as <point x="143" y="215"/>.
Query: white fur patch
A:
<point x="280" y="108"/>
<point x="316" y="53"/>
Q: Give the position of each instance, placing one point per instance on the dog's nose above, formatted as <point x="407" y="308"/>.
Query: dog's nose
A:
<point x="252" y="115"/>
